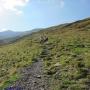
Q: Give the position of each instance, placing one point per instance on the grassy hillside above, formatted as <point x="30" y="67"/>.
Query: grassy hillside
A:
<point x="14" y="56"/>
<point x="65" y="50"/>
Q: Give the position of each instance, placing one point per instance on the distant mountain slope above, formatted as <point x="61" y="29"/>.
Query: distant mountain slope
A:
<point x="64" y="51"/>
<point x="9" y="34"/>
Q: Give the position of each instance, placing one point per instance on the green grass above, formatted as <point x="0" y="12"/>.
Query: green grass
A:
<point x="9" y="81"/>
<point x="15" y="56"/>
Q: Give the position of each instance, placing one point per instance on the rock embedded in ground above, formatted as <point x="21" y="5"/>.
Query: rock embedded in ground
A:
<point x="38" y="76"/>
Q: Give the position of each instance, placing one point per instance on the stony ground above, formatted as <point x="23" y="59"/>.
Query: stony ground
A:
<point x="32" y="78"/>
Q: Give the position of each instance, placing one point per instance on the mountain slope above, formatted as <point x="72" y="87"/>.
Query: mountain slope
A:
<point x="65" y="51"/>
<point x="12" y="36"/>
<point x="9" y="34"/>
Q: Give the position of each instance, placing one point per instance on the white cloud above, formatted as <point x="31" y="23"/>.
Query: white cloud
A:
<point x="62" y="3"/>
<point x="12" y="5"/>
<point x="17" y="5"/>
<point x="3" y="29"/>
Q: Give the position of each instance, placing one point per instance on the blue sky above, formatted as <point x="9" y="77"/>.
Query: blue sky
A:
<point x="23" y="15"/>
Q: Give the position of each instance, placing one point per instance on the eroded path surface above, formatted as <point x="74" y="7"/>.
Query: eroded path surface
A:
<point x="32" y="78"/>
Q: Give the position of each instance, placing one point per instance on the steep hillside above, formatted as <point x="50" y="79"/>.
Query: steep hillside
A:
<point x="64" y="51"/>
